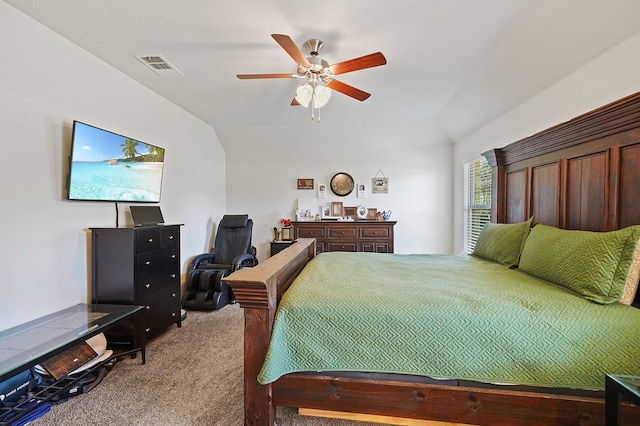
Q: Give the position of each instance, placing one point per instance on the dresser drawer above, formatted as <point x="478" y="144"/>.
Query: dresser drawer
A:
<point x="170" y="237"/>
<point x="157" y="269"/>
<point x="147" y="239"/>
<point x="161" y="315"/>
<point x="157" y="282"/>
<point x="154" y="298"/>
<point x="343" y="247"/>
<point x="342" y="232"/>
<point x="375" y="247"/>
<point x="374" y="232"/>
<point x="310" y="232"/>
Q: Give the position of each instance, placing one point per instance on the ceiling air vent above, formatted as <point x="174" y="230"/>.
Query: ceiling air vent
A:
<point x="158" y="64"/>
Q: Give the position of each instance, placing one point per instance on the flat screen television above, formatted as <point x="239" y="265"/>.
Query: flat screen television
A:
<point x="106" y="166"/>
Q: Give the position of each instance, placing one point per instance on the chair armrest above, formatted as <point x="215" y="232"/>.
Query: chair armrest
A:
<point x="200" y="258"/>
<point x="243" y="260"/>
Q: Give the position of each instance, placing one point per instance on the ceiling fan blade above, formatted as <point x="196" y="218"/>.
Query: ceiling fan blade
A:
<point x="343" y="88"/>
<point x="252" y="76"/>
<point x="368" y="61"/>
<point x="290" y="47"/>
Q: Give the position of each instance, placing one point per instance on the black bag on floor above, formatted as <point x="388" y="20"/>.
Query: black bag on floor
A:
<point x="57" y="391"/>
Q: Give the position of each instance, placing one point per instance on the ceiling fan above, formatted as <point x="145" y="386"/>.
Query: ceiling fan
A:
<point x="319" y="76"/>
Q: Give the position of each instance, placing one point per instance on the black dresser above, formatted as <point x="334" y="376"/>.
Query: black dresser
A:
<point x="138" y="266"/>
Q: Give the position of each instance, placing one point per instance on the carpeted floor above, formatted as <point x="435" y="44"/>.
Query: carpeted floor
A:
<point x="193" y="376"/>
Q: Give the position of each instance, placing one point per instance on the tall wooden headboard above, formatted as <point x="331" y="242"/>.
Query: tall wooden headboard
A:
<point x="582" y="174"/>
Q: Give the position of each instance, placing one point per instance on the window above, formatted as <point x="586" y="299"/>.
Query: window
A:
<point x="477" y="200"/>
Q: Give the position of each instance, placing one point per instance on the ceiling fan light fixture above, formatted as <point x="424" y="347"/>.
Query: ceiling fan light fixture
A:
<point x="304" y="93"/>
<point x="321" y="95"/>
<point x="318" y="74"/>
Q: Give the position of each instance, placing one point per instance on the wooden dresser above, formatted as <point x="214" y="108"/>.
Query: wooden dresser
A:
<point x="365" y="235"/>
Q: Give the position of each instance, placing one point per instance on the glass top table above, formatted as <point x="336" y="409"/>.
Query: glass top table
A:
<point x="617" y="386"/>
<point x="28" y="344"/>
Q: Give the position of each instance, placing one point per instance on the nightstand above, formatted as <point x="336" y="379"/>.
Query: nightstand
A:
<point x="278" y="246"/>
<point x="616" y="388"/>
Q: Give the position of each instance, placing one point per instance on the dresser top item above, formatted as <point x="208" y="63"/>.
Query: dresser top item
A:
<point x="346" y="222"/>
<point x="136" y="227"/>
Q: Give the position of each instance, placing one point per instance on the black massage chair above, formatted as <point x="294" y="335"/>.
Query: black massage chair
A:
<point x="232" y="251"/>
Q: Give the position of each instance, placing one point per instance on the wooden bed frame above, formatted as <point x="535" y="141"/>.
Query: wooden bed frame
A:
<point x="582" y="174"/>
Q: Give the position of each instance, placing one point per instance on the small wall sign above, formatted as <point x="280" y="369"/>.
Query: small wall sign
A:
<point x="305" y="183"/>
<point x="380" y="183"/>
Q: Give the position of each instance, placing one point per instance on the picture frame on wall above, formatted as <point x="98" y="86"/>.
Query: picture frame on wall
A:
<point x="322" y="190"/>
<point x="305" y="183"/>
<point x="380" y="185"/>
<point x="362" y="190"/>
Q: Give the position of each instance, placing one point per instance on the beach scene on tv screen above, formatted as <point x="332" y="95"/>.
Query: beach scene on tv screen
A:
<point x="107" y="166"/>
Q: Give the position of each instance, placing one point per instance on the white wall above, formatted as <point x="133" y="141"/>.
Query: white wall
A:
<point x="47" y="82"/>
<point x="417" y="165"/>
<point x="610" y="77"/>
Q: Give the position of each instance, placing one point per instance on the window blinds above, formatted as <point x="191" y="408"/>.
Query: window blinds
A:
<point x="477" y="200"/>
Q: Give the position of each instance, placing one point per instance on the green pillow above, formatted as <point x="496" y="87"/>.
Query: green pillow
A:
<point x="502" y="242"/>
<point x="592" y="264"/>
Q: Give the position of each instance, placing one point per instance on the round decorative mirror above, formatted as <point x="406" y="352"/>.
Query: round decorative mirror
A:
<point x="341" y="184"/>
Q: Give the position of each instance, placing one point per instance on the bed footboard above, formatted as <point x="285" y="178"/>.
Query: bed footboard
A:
<point x="449" y="404"/>
<point x="258" y="290"/>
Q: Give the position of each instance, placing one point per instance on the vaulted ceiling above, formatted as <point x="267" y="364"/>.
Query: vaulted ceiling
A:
<point x="452" y="65"/>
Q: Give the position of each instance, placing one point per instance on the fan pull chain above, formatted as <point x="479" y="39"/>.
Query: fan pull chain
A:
<point x="314" y="109"/>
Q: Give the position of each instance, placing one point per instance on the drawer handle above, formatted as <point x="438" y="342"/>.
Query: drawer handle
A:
<point x="375" y="232"/>
<point x="342" y="233"/>
<point x="173" y="256"/>
<point x="173" y="295"/>
<point x="148" y="262"/>
<point x="173" y="314"/>
<point x="147" y="329"/>
<point x="147" y="285"/>
<point x="147" y="307"/>
<point x="171" y="237"/>
<point x="150" y="240"/>
<point x="173" y="275"/>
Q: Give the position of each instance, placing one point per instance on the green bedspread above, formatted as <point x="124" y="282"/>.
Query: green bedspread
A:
<point x="453" y="316"/>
